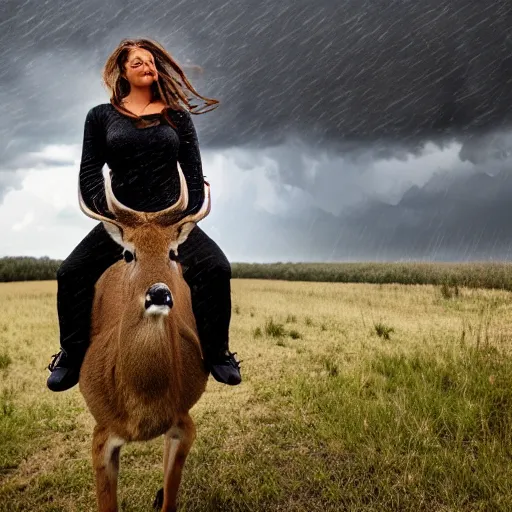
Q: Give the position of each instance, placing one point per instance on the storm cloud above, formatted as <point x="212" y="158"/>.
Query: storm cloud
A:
<point x="327" y="70"/>
<point x="335" y="98"/>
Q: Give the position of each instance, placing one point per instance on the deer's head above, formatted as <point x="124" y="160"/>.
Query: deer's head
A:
<point x="150" y="276"/>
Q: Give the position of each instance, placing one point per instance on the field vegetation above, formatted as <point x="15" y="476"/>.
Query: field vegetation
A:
<point x="356" y="397"/>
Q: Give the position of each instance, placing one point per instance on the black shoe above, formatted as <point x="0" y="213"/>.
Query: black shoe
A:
<point x="226" y="369"/>
<point x="65" y="373"/>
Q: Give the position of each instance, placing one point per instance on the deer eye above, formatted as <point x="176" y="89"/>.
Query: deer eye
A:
<point x="172" y="255"/>
<point x="128" y="256"/>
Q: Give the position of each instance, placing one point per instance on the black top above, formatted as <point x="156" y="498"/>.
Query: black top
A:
<point x="142" y="160"/>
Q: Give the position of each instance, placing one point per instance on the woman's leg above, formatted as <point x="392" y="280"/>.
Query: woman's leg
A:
<point x="207" y="272"/>
<point x="76" y="278"/>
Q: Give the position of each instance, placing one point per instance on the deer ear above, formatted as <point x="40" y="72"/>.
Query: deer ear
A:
<point x="116" y="234"/>
<point x="185" y="231"/>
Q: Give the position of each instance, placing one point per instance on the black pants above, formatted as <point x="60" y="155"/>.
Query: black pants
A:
<point x="205" y="269"/>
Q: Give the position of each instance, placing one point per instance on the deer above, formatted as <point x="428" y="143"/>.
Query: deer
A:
<point x="143" y="370"/>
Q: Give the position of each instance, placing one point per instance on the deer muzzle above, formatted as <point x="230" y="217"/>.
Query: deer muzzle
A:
<point x="158" y="299"/>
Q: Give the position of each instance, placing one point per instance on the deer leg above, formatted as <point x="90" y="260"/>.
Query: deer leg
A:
<point x="105" y="460"/>
<point x="178" y="441"/>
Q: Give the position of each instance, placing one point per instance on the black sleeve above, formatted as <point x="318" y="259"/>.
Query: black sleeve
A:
<point x="189" y="158"/>
<point x="91" y="180"/>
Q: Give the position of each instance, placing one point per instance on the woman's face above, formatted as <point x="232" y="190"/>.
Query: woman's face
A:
<point x="140" y="69"/>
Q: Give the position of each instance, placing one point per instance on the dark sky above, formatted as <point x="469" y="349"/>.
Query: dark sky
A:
<point x="372" y="80"/>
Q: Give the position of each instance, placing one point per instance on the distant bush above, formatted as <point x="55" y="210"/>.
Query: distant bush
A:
<point x="24" y="268"/>
<point x="383" y="331"/>
<point x="294" y="334"/>
<point x="274" y="329"/>
<point x="448" y="292"/>
<point x="5" y="361"/>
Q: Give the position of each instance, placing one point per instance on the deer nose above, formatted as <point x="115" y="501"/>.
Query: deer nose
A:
<point x="158" y="295"/>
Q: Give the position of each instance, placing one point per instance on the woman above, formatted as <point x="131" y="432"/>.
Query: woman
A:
<point x="141" y="134"/>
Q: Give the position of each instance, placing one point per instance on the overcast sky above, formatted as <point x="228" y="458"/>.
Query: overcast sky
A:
<point x="330" y="112"/>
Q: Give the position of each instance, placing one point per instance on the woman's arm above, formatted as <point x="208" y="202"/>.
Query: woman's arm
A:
<point x="91" y="180"/>
<point x="189" y="158"/>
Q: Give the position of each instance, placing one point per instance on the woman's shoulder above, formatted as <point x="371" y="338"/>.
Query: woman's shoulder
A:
<point x="100" y="110"/>
<point x="96" y="115"/>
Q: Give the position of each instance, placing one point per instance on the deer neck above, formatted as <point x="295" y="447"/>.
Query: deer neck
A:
<point x="148" y="356"/>
<point x="144" y="350"/>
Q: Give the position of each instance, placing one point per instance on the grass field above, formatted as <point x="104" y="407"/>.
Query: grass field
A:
<point x="356" y="397"/>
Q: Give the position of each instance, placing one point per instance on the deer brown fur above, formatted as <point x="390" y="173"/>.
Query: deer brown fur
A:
<point x="143" y="370"/>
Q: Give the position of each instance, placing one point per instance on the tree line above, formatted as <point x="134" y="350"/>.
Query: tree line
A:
<point x="470" y="274"/>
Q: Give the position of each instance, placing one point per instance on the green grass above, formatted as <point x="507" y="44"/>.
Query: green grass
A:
<point x="415" y="431"/>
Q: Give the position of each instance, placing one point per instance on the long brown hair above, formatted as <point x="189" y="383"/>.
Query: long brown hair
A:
<point x="172" y="87"/>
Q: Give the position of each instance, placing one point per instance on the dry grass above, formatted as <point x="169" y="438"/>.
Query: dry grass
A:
<point x="333" y="417"/>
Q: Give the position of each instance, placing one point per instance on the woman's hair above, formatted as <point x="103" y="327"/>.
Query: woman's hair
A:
<point x="172" y="87"/>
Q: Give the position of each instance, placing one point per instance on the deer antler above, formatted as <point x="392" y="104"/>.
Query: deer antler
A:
<point x="93" y="214"/>
<point x="203" y="212"/>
